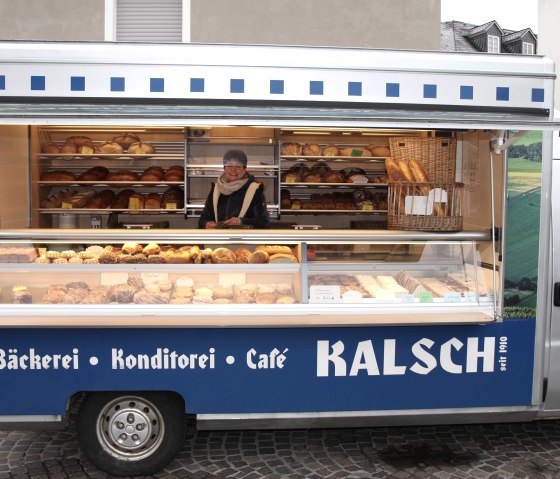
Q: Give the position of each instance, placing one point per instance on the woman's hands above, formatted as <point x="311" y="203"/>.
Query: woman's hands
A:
<point x="229" y="222"/>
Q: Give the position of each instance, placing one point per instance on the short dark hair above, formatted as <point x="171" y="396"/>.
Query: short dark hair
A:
<point x="236" y="155"/>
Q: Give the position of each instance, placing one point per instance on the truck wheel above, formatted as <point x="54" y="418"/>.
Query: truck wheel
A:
<point x="131" y="434"/>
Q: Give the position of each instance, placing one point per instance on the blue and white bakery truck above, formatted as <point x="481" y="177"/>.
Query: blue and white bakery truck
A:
<point x="412" y="242"/>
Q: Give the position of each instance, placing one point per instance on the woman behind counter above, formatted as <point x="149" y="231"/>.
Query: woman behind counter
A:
<point x="236" y="198"/>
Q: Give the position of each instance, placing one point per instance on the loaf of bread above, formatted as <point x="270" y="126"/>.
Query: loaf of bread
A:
<point x="418" y="172"/>
<point x="393" y="172"/>
<point x="97" y="173"/>
<point x="69" y="148"/>
<point x="152" y="201"/>
<point x="121" y="200"/>
<point x="242" y="255"/>
<point x="174" y="174"/>
<point x="58" y="175"/>
<point x="136" y="201"/>
<point x="123" y="175"/>
<point x="331" y="150"/>
<point x="223" y="256"/>
<point x="56" y="200"/>
<point x="173" y="198"/>
<point x="152" y="174"/>
<point x="312" y="177"/>
<point x="101" y="200"/>
<point x="80" y="199"/>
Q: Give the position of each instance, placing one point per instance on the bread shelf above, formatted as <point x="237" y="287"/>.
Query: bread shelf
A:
<point x="92" y="211"/>
<point x="117" y="184"/>
<point x="333" y="185"/>
<point x="340" y="159"/>
<point x="315" y="212"/>
<point x="112" y="156"/>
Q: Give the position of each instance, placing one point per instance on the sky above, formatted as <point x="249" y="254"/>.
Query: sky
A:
<point x="510" y="14"/>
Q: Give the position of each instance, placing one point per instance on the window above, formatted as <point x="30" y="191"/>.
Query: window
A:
<point x="493" y="44"/>
<point x="528" y="48"/>
<point x="147" y="21"/>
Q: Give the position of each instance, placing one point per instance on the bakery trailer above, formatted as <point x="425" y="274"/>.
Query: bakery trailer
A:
<point x="423" y="257"/>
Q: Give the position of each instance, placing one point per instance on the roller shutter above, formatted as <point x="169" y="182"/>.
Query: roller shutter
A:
<point x="149" y="21"/>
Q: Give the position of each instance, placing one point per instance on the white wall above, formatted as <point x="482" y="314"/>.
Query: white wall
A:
<point x="549" y="37"/>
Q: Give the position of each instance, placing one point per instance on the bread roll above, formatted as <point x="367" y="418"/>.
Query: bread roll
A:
<point x="242" y="255"/>
<point x="258" y="256"/>
<point x="283" y="258"/>
<point x="358" y="152"/>
<point x="312" y="149"/>
<point x="50" y="148"/>
<point x="331" y="150"/>
<point x="379" y="150"/>
<point x="86" y="149"/>
<point x="78" y="140"/>
<point x="126" y="139"/>
<point x="291" y="149"/>
<point x="333" y="177"/>
<point x="141" y="148"/>
<point x="223" y="256"/>
<point x="109" y="147"/>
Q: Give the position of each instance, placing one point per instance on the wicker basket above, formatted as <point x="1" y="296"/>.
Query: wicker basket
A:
<point x="436" y="155"/>
<point x="409" y="208"/>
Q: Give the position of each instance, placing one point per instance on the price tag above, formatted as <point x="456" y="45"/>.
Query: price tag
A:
<point x="470" y="297"/>
<point x="452" y="297"/>
<point x="324" y="294"/>
<point x="367" y="207"/>
<point x="356" y="153"/>
<point x="231" y="279"/>
<point x="109" y="279"/>
<point x="290" y="179"/>
<point x="407" y="298"/>
<point x="170" y="206"/>
<point x="66" y="206"/>
<point x="134" y="204"/>
<point x="352" y="297"/>
<point x="426" y="297"/>
<point x="153" y="277"/>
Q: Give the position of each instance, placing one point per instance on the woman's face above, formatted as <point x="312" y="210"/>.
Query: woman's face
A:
<point x="234" y="170"/>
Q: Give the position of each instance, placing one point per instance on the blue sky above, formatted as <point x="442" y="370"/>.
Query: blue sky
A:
<point x="510" y="14"/>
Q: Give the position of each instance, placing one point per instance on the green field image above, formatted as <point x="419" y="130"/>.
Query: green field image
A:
<point x="522" y="240"/>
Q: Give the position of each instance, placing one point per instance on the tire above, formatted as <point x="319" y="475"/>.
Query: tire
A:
<point x="131" y="433"/>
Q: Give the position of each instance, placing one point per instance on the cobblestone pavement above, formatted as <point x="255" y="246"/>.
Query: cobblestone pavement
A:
<point x="495" y="451"/>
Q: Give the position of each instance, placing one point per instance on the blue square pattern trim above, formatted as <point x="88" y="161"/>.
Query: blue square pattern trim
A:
<point x="197" y="85"/>
<point x="117" y="84"/>
<point x="236" y="85"/>
<point x="2" y="82"/>
<point x="466" y="92"/>
<point x="277" y="87"/>
<point x="315" y="87"/>
<point x="392" y="90"/>
<point x="157" y="85"/>
<point x="537" y="94"/>
<point x="78" y="83"/>
<point x="430" y="91"/>
<point x="37" y="82"/>
<point x="354" y="88"/>
<point x="502" y="93"/>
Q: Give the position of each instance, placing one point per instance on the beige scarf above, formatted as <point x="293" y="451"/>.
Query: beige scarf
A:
<point x="225" y="188"/>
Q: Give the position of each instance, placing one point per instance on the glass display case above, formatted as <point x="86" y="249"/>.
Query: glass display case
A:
<point x="245" y="277"/>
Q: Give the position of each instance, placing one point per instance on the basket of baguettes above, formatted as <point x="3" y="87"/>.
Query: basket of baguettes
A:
<point x="423" y="194"/>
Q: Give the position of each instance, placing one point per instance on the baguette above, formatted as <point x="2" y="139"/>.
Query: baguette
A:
<point x="418" y="172"/>
<point x="405" y="171"/>
<point x="393" y="172"/>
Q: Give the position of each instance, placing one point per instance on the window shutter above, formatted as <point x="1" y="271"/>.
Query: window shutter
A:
<point x="149" y="21"/>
